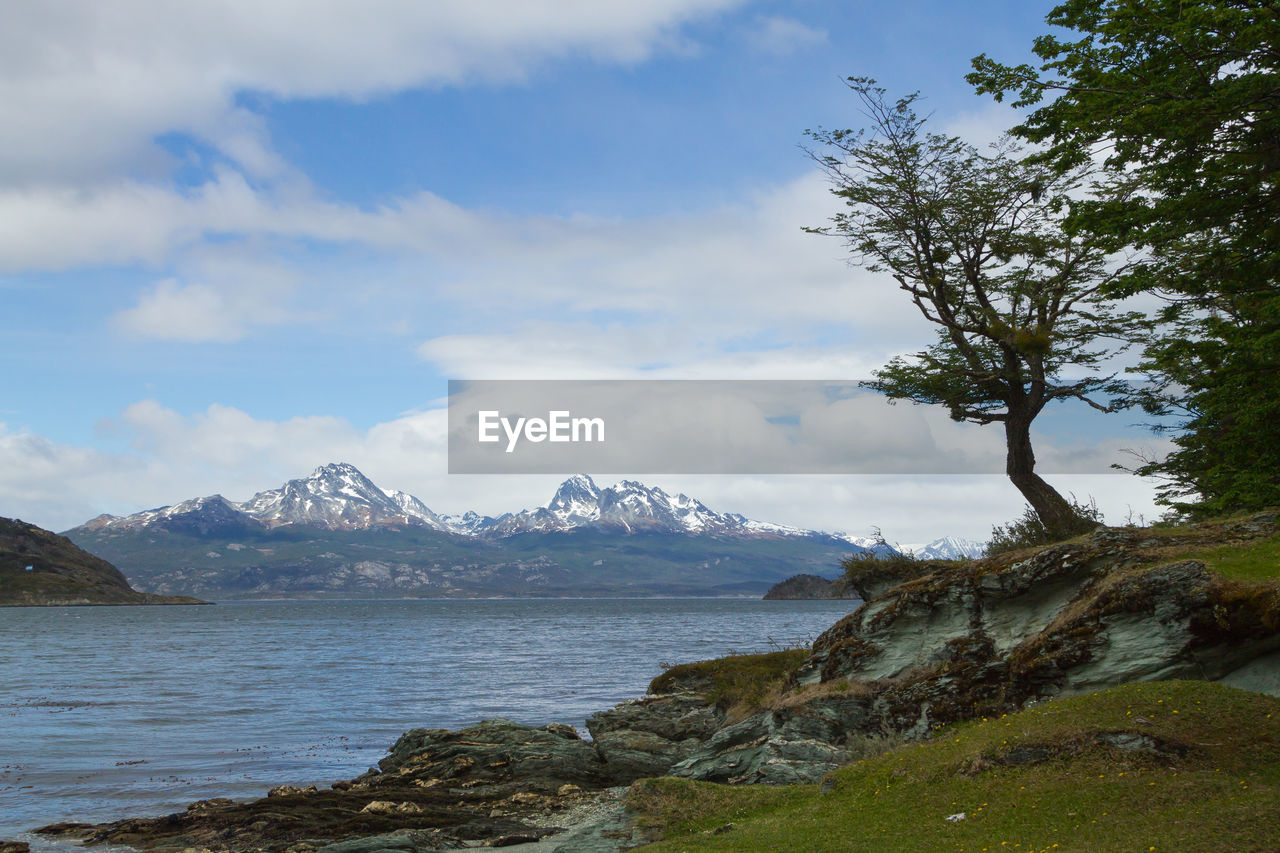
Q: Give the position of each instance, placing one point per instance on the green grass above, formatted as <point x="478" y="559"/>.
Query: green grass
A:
<point x="1216" y="787"/>
<point x="1258" y="560"/>
<point x="736" y="681"/>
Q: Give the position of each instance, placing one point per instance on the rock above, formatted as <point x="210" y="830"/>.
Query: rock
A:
<point x="781" y="747"/>
<point x="385" y="807"/>
<point x="400" y="841"/>
<point x="610" y="831"/>
<point x="498" y="752"/>
<point x="290" y="790"/>
<point x="14" y="847"/>
<point x="990" y="636"/>
<point x="646" y="736"/>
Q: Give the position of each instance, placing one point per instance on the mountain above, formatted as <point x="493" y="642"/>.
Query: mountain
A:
<point x="947" y="548"/>
<point x="339" y="497"/>
<point x="336" y="533"/>
<point x="628" y="507"/>
<point x="38" y="567"/>
<point x="336" y="497"/>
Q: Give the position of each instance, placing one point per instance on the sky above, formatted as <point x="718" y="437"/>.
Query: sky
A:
<point x="241" y="240"/>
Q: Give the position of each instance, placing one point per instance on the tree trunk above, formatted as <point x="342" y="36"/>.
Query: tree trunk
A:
<point x="1055" y="513"/>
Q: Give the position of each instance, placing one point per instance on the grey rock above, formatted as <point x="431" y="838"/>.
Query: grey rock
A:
<point x="497" y="751"/>
<point x="780" y="747"/>
<point x="400" y="841"/>
<point x="988" y="637"/>
<point x="647" y="736"/>
<point x="613" y="831"/>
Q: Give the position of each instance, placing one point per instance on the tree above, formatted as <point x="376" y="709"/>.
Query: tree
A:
<point x="1183" y="101"/>
<point x="975" y="240"/>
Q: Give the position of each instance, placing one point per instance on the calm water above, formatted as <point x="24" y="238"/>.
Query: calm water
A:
<point x="108" y="712"/>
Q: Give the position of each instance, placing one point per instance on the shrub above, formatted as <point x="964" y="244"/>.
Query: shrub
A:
<point x="1029" y="532"/>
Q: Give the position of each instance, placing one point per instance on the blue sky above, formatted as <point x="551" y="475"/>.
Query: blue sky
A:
<point x="241" y="240"/>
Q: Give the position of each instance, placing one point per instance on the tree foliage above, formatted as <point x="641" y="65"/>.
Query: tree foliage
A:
<point x="976" y="241"/>
<point x="1182" y="100"/>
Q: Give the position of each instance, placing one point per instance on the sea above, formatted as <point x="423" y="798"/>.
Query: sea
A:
<point x="113" y="712"/>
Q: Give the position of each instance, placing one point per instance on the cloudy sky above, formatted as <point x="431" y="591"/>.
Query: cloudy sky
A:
<point x="240" y="239"/>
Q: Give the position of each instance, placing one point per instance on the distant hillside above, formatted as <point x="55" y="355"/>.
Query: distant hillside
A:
<point x="38" y="567"/>
<point x="809" y="587"/>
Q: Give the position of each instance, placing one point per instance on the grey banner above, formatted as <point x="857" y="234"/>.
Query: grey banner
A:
<point x="747" y="427"/>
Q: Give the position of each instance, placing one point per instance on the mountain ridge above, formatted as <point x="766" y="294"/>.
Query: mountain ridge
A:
<point x="338" y="496"/>
<point x="336" y="534"/>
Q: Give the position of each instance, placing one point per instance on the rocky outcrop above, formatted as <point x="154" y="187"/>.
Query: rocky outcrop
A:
<point x="496" y="783"/>
<point x="647" y="736"/>
<point x="1073" y="618"/>
<point x="41" y="568"/>
<point x="989" y="637"/>
<point x="809" y="587"/>
<point x="781" y="746"/>
<point x="495" y="753"/>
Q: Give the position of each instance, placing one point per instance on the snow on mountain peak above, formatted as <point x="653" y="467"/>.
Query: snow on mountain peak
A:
<point x="578" y="498"/>
<point x="339" y="496"/>
<point x="947" y="548"/>
<point x="336" y="496"/>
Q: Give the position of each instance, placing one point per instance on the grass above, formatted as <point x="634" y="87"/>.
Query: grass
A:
<point x="738" y="683"/>
<point x="1040" y="779"/>
<point x="1258" y="560"/>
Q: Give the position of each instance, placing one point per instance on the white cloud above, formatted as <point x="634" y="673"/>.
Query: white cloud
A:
<point x="683" y="289"/>
<point x="175" y="312"/>
<point x="981" y="126"/>
<point x="222" y="296"/>
<point x="777" y="36"/>
<point x="167" y="456"/>
<point x="86" y="87"/>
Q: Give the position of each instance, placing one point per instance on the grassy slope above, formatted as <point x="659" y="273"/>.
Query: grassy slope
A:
<point x="1216" y="785"/>
<point x="61" y="572"/>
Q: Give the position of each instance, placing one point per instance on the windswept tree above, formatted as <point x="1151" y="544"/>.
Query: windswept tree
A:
<point x="976" y="242"/>
<point x="1182" y="102"/>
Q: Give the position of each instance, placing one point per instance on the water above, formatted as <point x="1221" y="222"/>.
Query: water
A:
<point x="110" y="712"/>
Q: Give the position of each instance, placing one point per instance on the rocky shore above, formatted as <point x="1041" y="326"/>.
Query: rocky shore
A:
<point x="960" y="641"/>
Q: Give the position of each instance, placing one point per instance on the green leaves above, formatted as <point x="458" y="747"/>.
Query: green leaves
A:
<point x="979" y="243"/>
<point x="1182" y="99"/>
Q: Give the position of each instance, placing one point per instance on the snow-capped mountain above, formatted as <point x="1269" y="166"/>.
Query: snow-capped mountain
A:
<point x="199" y="516"/>
<point x="628" y="506"/>
<point x="947" y="548"/>
<point x="335" y="497"/>
<point x="468" y="524"/>
<point x="337" y="534"/>
<point x="339" y="497"/>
